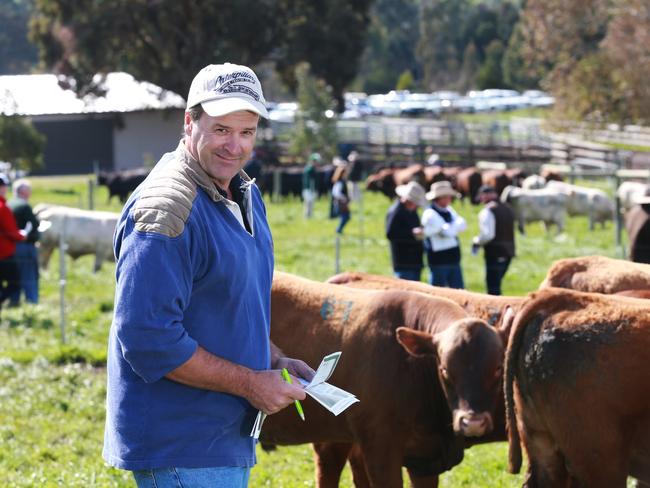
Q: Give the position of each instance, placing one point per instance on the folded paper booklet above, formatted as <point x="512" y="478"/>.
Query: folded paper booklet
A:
<point x="329" y="396"/>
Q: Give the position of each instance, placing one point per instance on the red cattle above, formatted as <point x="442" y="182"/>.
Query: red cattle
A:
<point x="468" y="181"/>
<point x="597" y="274"/>
<point x="496" y="178"/>
<point x="420" y="366"/>
<point x="577" y="389"/>
<point x="386" y="180"/>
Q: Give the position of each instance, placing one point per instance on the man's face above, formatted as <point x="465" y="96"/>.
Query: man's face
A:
<point x="3" y="190"/>
<point x="221" y="145"/>
<point x="443" y="202"/>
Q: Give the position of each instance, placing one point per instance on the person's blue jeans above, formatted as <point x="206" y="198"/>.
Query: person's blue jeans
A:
<point x="449" y="275"/>
<point x="26" y="257"/>
<point x="221" y="477"/>
<point x="495" y="269"/>
<point x="408" y="274"/>
<point x="343" y="219"/>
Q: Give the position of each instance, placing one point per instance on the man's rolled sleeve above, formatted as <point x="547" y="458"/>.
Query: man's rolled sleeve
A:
<point x="154" y="283"/>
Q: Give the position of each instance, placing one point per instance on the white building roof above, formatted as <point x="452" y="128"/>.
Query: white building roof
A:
<point x="41" y="95"/>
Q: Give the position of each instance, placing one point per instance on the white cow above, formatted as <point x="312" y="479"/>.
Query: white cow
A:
<point x="86" y="232"/>
<point x="629" y="192"/>
<point x="533" y="182"/>
<point x="591" y="202"/>
<point x="543" y="205"/>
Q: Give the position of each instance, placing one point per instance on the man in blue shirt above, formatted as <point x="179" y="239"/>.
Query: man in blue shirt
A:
<point x="189" y="353"/>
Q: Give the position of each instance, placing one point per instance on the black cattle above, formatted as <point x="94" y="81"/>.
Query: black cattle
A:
<point x="122" y="183"/>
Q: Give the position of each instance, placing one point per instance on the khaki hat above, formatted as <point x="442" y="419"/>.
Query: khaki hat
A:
<point x="442" y="189"/>
<point x="225" y="88"/>
<point x="413" y="192"/>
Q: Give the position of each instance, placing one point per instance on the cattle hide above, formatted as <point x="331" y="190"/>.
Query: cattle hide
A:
<point x="598" y="274"/>
<point x="388" y="339"/>
<point x="85" y="232"/>
<point x="576" y="385"/>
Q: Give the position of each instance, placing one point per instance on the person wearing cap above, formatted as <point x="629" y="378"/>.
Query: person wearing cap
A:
<point x="26" y="252"/>
<point x="10" y="235"/>
<point x="340" y="204"/>
<point x="496" y="222"/>
<point x="309" y="184"/>
<point x="189" y="355"/>
<point x="637" y="225"/>
<point x="403" y="231"/>
<point x="441" y="226"/>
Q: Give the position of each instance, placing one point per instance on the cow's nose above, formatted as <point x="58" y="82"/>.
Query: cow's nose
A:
<point x="472" y="424"/>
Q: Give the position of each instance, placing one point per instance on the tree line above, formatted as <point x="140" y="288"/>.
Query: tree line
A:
<point x="592" y="55"/>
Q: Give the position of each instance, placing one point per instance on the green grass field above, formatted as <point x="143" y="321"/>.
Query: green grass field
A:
<point x="52" y="396"/>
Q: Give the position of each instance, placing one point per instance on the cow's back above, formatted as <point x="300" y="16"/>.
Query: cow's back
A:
<point x="486" y="307"/>
<point x="577" y="378"/>
<point x="597" y="274"/>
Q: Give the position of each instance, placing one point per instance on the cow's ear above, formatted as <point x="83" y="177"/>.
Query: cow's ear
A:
<point x="415" y="342"/>
<point x="505" y="324"/>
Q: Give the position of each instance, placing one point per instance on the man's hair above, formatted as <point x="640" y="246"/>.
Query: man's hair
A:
<point x="19" y="185"/>
<point x="195" y="112"/>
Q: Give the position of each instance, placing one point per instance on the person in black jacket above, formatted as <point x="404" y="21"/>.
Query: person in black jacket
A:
<point x="26" y="253"/>
<point x="497" y="237"/>
<point x="404" y="232"/>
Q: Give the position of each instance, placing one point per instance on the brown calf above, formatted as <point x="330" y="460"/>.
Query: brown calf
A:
<point x="419" y="365"/>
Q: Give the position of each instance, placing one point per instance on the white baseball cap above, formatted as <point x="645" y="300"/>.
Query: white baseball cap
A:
<point x="225" y="88"/>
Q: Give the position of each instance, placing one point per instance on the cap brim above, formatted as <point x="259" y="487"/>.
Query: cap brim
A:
<point x="224" y="106"/>
<point x="642" y="200"/>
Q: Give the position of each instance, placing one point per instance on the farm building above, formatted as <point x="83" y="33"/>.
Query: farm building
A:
<point x="132" y="123"/>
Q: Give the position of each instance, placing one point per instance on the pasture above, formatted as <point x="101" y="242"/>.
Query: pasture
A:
<point x="52" y="396"/>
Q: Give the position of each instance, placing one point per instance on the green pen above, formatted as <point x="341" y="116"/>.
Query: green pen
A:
<point x="287" y="378"/>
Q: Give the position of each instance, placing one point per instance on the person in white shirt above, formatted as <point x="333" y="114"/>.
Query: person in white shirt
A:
<point x="497" y="237"/>
<point x="441" y="226"/>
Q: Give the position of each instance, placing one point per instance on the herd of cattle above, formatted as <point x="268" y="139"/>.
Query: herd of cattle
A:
<point x="544" y="198"/>
<point x="563" y="371"/>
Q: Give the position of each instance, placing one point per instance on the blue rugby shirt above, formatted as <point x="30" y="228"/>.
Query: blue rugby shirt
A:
<point x="208" y="285"/>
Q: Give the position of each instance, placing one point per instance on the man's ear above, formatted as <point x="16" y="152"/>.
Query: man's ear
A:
<point x="187" y="124"/>
<point x="415" y="342"/>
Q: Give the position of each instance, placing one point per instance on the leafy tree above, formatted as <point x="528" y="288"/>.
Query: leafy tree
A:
<point x="330" y="37"/>
<point x="516" y="72"/>
<point x="391" y="40"/>
<point x="17" y="54"/>
<point x="441" y="42"/>
<point x="20" y="143"/>
<point x="489" y="74"/>
<point x="450" y="30"/>
<point x="168" y="42"/>
<point x="594" y="56"/>
<point x="164" y="42"/>
<point x="405" y="81"/>
<point x="315" y="125"/>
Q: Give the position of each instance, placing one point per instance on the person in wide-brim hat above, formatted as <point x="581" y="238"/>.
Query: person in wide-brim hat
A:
<point x="441" y="189"/>
<point x="412" y="192"/>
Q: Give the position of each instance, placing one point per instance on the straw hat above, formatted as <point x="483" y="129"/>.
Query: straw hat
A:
<point x="441" y="189"/>
<point x="413" y="192"/>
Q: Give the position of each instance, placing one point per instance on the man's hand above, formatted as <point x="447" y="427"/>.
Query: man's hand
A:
<point x="296" y="367"/>
<point x="268" y="392"/>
